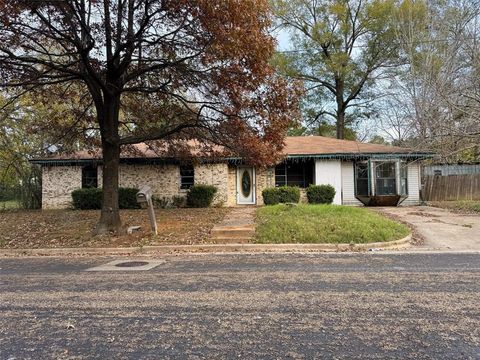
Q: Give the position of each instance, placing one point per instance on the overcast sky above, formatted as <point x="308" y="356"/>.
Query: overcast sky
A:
<point x="283" y="39"/>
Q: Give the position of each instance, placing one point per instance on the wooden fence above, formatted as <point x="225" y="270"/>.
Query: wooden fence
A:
<point x="451" y="187"/>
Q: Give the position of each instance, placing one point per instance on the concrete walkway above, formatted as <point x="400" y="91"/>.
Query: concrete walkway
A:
<point x="237" y="227"/>
<point x="441" y="229"/>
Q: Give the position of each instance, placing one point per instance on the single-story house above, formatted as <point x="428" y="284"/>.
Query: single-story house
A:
<point x="361" y="173"/>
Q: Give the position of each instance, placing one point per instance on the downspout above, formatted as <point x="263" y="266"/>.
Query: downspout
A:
<point x="371" y="178"/>
<point x="398" y="180"/>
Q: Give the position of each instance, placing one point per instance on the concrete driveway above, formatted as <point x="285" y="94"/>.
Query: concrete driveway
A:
<point x="442" y="230"/>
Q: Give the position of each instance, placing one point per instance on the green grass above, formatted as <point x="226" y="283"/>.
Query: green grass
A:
<point x="470" y="206"/>
<point x="280" y="224"/>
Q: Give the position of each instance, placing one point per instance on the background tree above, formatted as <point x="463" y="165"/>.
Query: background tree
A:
<point x="432" y="101"/>
<point x="26" y="132"/>
<point x="193" y="68"/>
<point x="340" y="49"/>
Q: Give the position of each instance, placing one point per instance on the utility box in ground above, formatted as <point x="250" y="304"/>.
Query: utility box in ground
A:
<point x="144" y="195"/>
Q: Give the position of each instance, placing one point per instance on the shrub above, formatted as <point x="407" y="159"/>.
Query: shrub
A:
<point x="161" y="202"/>
<point x="179" y="201"/>
<point x="86" y="199"/>
<point x="320" y="194"/>
<point x="282" y="194"/>
<point x="91" y="198"/>
<point x="127" y="198"/>
<point x="271" y="196"/>
<point x="201" y="195"/>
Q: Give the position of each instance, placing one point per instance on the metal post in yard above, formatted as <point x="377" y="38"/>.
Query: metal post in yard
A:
<point x="144" y="195"/>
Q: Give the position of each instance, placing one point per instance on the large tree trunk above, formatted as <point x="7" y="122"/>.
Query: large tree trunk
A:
<point x="110" y="216"/>
<point x="340" y="125"/>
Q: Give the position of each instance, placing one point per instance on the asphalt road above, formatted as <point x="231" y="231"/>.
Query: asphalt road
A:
<point x="338" y="306"/>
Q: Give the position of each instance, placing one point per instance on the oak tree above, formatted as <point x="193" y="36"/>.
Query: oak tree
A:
<point x="149" y="70"/>
<point x="339" y="49"/>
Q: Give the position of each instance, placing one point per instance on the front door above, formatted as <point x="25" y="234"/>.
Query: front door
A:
<point x="245" y="185"/>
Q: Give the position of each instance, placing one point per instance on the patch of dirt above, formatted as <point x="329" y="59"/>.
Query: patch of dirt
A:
<point x="448" y="223"/>
<point x="463" y="208"/>
<point x="73" y="228"/>
<point x="424" y="214"/>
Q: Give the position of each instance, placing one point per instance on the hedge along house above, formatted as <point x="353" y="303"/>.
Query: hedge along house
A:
<point x="361" y="173"/>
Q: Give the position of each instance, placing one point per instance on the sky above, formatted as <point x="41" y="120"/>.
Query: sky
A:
<point x="283" y="39"/>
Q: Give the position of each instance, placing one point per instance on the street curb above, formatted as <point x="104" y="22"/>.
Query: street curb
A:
<point x="210" y="248"/>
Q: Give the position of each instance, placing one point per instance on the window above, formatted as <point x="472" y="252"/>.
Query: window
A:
<point x="437" y="172"/>
<point x="294" y="174"/>
<point x="385" y="178"/>
<point x="281" y="175"/>
<point x="187" y="177"/>
<point x="89" y="176"/>
<point x="362" y="179"/>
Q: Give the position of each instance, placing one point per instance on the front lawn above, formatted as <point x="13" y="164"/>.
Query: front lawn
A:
<point x="280" y="224"/>
<point x="73" y="228"/>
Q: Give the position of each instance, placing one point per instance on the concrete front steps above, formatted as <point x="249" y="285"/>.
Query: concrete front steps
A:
<point x="232" y="234"/>
<point x="238" y="227"/>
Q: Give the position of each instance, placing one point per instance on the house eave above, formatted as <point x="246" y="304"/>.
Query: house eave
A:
<point x="364" y="156"/>
<point x="236" y="160"/>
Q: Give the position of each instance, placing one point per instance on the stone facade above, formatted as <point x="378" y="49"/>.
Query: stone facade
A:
<point x="232" y="186"/>
<point x="58" y="182"/>
<point x="265" y="178"/>
<point x="216" y="175"/>
<point x="163" y="179"/>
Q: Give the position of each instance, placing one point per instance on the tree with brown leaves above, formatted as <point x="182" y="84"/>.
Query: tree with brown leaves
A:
<point x="186" y="68"/>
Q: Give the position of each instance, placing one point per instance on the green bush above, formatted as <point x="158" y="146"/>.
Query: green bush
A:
<point x="320" y="194"/>
<point x="281" y="194"/>
<point x="91" y="198"/>
<point x="127" y="198"/>
<point x="86" y="199"/>
<point x="201" y="195"/>
<point x="271" y="196"/>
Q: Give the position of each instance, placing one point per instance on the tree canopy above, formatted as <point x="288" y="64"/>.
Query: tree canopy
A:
<point x="339" y="49"/>
<point x="148" y="70"/>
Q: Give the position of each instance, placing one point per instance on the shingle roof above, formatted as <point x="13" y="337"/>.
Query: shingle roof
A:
<point x="295" y="146"/>
<point x="321" y="145"/>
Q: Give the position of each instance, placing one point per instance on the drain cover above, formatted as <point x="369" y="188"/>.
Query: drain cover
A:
<point x="128" y="265"/>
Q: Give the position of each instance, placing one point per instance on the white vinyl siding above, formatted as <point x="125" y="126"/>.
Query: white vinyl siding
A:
<point x="348" y="184"/>
<point x="330" y="172"/>
<point x="413" y="177"/>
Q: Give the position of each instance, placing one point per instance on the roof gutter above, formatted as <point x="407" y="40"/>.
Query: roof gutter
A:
<point x="336" y="156"/>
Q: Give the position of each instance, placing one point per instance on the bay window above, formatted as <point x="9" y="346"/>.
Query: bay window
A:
<point x="386" y="179"/>
<point x="381" y="178"/>
<point x="362" y="186"/>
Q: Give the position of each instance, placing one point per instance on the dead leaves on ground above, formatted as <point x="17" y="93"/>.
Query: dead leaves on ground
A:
<point x="73" y="228"/>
